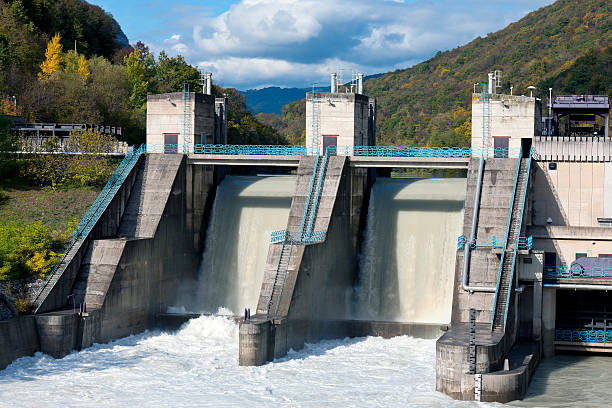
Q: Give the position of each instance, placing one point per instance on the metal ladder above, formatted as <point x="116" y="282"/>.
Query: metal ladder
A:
<point x="316" y="113"/>
<point x="186" y="116"/>
<point x="502" y="295"/>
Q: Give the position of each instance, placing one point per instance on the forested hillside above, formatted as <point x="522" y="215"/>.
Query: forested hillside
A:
<point x="105" y="81"/>
<point x="562" y="45"/>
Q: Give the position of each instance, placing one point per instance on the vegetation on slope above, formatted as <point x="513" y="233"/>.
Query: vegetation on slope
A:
<point x="105" y="81"/>
<point x="429" y="103"/>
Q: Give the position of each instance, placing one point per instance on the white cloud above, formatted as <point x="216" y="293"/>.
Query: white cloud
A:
<point x="295" y="42"/>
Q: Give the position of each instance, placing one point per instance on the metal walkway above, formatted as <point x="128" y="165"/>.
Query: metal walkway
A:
<point x="511" y="245"/>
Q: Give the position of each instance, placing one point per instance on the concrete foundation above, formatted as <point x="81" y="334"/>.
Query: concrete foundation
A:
<point x="18" y="338"/>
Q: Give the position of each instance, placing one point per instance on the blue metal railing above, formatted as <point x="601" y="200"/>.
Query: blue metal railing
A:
<point x="295" y="237"/>
<point x="91" y="217"/>
<point x="516" y="246"/>
<point x="312" y="180"/>
<point x="413" y="151"/>
<point x="313" y="213"/>
<point x="583" y="336"/>
<point x="577" y="271"/>
<point x="301" y="150"/>
<point x="525" y="242"/>
<point x="232" y="150"/>
<point x="493" y="242"/>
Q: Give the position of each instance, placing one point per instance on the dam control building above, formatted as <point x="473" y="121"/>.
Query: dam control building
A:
<point x="504" y="266"/>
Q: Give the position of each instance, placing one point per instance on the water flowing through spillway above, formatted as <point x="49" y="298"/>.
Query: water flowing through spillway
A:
<point x="407" y="260"/>
<point x="245" y="212"/>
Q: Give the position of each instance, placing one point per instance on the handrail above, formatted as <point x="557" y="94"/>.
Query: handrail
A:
<point x="577" y="272"/>
<point x="280" y="293"/>
<point x="503" y="254"/>
<point x="310" y="150"/>
<point x="86" y="224"/>
<point x="317" y="193"/>
<point x="516" y="246"/>
<point x="295" y="237"/>
<point x="583" y="336"/>
<point x="493" y="242"/>
<point x="312" y="180"/>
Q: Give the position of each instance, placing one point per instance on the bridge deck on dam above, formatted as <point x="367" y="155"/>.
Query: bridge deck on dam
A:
<point x="354" y="161"/>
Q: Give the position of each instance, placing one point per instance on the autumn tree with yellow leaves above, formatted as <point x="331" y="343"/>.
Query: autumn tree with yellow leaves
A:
<point x="53" y="58"/>
<point x="83" y="69"/>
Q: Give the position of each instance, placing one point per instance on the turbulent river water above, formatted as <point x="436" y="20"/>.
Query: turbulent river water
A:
<point x="198" y="366"/>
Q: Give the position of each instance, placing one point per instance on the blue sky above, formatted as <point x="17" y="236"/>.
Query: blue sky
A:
<point x="256" y="43"/>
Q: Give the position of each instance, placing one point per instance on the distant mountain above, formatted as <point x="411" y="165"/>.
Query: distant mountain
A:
<point x="273" y="98"/>
<point x="429" y="103"/>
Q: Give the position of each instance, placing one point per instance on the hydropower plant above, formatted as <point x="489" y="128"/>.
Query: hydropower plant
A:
<point x="504" y="264"/>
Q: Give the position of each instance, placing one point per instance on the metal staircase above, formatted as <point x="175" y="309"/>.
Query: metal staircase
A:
<point x="508" y="258"/>
<point x="312" y="203"/>
<point x="278" y="284"/>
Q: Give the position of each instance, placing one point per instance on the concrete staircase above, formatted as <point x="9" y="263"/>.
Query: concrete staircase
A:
<point x="510" y="248"/>
<point x="149" y="196"/>
<point x="96" y="272"/>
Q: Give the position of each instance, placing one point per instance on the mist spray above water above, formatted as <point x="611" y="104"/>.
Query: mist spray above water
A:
<point x="246" y="210"/>
<point x="407" y="261"/>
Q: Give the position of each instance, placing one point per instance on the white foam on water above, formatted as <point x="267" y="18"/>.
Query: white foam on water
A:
<point x="198" y="366"/>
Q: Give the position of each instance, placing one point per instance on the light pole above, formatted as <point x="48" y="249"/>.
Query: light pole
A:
<point x="549" y="102"/>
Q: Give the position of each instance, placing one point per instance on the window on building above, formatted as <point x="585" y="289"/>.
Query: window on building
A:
<point x="170" y="143"/>
<point x="581" y="255"/>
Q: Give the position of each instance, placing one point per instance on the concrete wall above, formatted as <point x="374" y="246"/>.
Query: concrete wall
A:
<point x="18" y="338"/>
<point x="317" y="287"/>
<point x="574" y="194"/>
<point x="165" y="115"/>
<point x="510" y="116"/>
<point x="496" y="196"/>
<point x="343" y="114"/>
<point x="127" y="281"/>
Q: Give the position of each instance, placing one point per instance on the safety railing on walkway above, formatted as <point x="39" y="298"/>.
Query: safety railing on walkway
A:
<point x="233" y="150"/>
<point x="412" y="151"/>
<point x="315" y="237"/>
<point x="90" y="219"/>
<point x="577" y="271"/>
<point x="301" y="150"/>
<point x="493" y="242"/>
<point x="583" y="336"/>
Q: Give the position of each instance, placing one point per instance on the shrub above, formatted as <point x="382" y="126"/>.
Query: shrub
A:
<point x="26" y="251"/>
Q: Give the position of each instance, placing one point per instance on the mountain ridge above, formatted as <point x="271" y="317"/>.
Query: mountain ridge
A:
<point x="429" y="103"/>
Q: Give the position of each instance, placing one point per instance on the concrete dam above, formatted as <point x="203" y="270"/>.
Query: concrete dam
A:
<point x="285" y="249"/>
